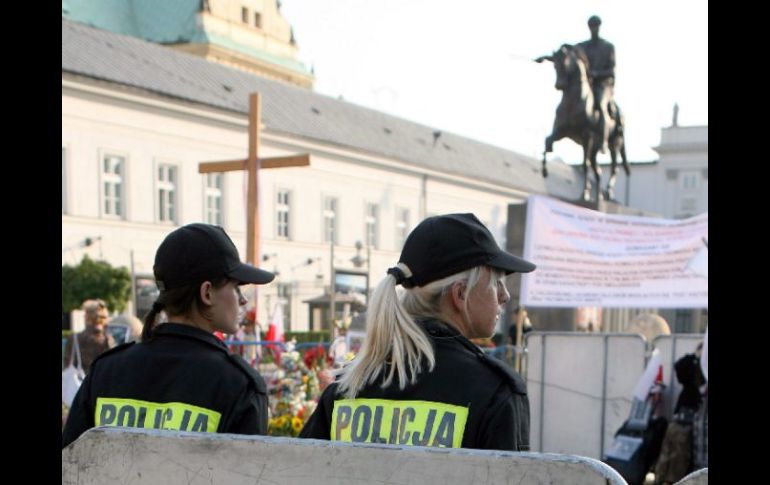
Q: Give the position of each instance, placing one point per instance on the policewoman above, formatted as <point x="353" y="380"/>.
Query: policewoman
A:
<point x="181" y="377"/>
<point x="418" y="379"/>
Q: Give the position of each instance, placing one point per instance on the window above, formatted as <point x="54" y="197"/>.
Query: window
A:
<point x="370" y="220"/>
<point x="166" y="186"/>
<point x="689" y="180"/>
<point x="402" y="226"/>
<point x="113" y="167"/>
<point x="244" y="15"/>
<point x="687" y="205"/>
<point x="258" y="20"/>
<point x="213" y="196"/>
<point x="284" y="299"/>
<point x="63" y="180"/>
<point x="330" y="219"/>
<point x="282" y="214"/>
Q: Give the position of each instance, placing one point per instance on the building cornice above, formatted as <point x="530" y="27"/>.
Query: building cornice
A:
<point x="233" y="58"/>
<point x="291" y="142"/>
<point x="681" y="148"/>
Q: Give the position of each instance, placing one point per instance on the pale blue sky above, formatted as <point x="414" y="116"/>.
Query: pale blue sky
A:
<point x="466" y="67"/>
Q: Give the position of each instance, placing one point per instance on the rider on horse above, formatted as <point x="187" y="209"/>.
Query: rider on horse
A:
<point x="601" y="73"/>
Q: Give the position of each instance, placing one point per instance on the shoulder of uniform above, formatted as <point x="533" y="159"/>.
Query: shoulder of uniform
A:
<point x="513" y="379"/>
<point x="113" y="350"/>
<point x="332" y="392"/>
<point x="251" y="374"/>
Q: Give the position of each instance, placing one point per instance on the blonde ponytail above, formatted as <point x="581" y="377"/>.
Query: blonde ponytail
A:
<point x="393" y="338"/>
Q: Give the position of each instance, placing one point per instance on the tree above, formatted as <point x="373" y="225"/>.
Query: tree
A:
<point x="94" y="279"/>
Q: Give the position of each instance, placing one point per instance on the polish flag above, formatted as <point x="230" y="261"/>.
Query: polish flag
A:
<point x="275" y="332"/>
<point x="275" y="328"/>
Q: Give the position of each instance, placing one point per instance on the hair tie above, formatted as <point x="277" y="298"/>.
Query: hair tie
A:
<point x="402" y="273"/>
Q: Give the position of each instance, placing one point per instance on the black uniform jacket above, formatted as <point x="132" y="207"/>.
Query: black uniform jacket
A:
<point x="469" y="400"/>
<point x="182" y="379"/>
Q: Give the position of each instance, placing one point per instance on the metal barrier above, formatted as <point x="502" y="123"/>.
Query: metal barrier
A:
<point x="277" y="343"/>
<point x="271" y="345"/>
<point x="243" y="343"/>
<point x="580" y="387"/>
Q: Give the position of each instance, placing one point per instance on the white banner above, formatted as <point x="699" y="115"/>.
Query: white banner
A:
<point x="588" y="258"/>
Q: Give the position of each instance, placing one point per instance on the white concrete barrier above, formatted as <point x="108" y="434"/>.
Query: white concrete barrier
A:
<point x="125" y="455"/>
<point x="698" y="477"/>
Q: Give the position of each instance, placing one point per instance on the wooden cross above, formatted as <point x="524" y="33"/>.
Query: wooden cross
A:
<point x="252" y="165"/>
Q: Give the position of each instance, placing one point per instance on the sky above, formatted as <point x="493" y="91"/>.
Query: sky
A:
<point x="466" y="66"/>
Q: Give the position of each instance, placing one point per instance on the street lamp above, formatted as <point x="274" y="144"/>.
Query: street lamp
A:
<point x="85" y="243"/>
<point x="359" y="261"/>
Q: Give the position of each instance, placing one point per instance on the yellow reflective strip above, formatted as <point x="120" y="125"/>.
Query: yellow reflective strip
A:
<point x="175" y="416"/>
<point x="422" y="423"/>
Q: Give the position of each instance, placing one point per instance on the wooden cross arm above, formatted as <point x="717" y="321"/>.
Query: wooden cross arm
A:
<point x="302" y="160"/>
<point x="227" y="166"/>
<point x="273" y="162"/>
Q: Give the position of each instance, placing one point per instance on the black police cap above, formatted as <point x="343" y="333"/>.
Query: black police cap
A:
<point x="200" y="252"/>
<point x="441" y="246"/>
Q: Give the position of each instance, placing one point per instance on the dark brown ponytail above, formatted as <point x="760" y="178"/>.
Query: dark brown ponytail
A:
<point x="149" y="320"/>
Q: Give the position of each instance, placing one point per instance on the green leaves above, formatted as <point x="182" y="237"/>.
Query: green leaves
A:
<point x="94" y="279"/>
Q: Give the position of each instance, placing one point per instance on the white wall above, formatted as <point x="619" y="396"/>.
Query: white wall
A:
<point x="659" y="187"/>
<point x="149" y="129"/>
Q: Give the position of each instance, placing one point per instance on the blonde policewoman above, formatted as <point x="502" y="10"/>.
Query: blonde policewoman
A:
<point x="418" y="379"/>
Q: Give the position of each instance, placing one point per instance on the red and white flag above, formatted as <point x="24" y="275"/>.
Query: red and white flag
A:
<point x="275" y="332"/>
<point x="275" y="328"/>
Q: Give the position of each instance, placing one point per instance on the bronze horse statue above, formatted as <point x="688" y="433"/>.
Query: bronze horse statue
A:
<point x="577" y="119"/>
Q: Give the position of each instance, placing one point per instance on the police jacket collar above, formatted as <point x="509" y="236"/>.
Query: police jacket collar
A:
<point x="186" y="331"/>
<point x="439" y="329"/>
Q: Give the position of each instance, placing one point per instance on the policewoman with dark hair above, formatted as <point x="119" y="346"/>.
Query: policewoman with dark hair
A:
<point x="181" y="377"/>
<point x="418" y="379"/>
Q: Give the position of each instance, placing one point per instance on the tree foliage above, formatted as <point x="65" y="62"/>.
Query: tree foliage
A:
<point x="94" y="279"/>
